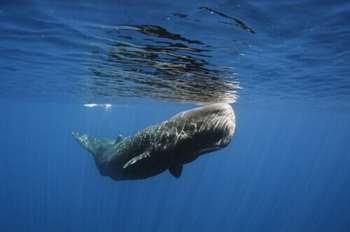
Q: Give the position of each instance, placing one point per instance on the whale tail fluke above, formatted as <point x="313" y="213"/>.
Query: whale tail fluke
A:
<point x="96" y="147"/>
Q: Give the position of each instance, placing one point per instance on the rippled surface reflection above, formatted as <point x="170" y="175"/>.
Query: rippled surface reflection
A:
<point x="175" y="50"/>
<point x="62" y="54"/>
<point x="157" y="63"/>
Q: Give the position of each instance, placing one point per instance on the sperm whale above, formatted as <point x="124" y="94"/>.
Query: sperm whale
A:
<point x="166" y="146"/>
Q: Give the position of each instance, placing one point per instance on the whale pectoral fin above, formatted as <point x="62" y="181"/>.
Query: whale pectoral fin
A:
<point x="136" y="159"/>
<point x="176" y="170"/>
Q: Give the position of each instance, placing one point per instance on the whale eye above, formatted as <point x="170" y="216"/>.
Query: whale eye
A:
<point x="192" y="126"/>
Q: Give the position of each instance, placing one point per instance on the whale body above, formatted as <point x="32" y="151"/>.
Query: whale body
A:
<point x="165" y="146"/>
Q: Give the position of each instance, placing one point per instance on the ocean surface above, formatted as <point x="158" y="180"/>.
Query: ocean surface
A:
<point x="114" y="67"/>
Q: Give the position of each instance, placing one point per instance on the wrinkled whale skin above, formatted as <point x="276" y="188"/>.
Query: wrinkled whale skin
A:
<point x="168" y="145"/>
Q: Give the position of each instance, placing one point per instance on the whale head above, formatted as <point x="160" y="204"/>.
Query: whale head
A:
<point x="208" y="128"/>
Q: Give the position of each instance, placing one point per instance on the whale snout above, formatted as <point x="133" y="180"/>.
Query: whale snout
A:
<point x="215" y="122"/>
<point x="225" y="121"/>
<point x="219" y="116"/>
<point x="228" y="119"/>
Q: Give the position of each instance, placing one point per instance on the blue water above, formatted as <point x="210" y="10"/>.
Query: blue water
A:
<point x="284" y="67"/>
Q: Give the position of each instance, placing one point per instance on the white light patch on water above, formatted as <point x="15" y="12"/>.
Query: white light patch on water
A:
<point x="107" y="107"/>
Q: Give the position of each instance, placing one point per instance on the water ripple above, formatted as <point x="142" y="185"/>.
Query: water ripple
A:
<point x="178" y="52"/>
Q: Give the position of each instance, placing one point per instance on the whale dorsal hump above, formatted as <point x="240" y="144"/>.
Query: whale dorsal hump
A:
<point x="176" y="170"/>
<point x="118" y="139"/>
<point x="137" y="159"/>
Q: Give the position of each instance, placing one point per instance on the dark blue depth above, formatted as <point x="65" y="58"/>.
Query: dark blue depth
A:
<point x="287" y="63"/>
